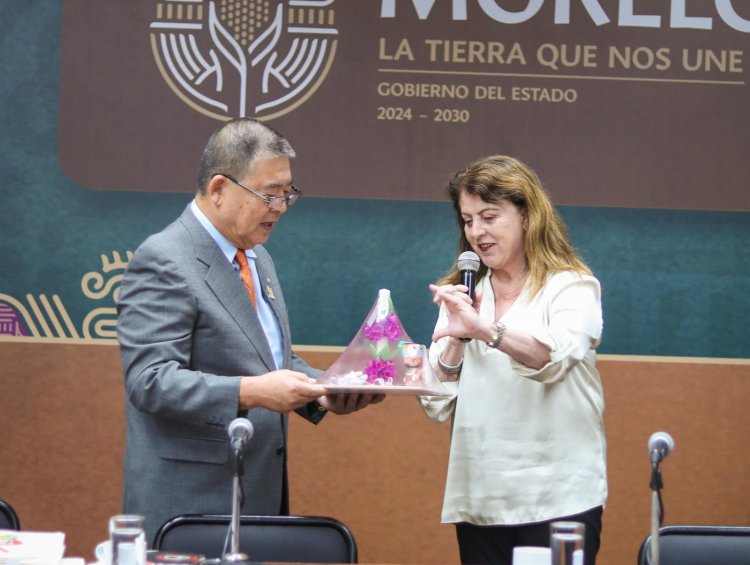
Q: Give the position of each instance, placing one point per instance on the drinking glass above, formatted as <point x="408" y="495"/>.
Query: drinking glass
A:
<point x="566" y="543"/>
<point x="128" y="539"/>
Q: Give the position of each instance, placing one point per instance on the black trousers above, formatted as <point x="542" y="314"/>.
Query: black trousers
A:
<point x="493" y="545"/>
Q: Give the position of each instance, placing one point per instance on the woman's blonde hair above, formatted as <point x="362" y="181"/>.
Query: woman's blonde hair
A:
<point x="547" y="248"/>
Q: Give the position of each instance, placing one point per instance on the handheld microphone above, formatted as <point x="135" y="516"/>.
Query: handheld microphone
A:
<point x="468" y="265"/>
<point x="240" y="432"/>
<point x="660" y="444"/>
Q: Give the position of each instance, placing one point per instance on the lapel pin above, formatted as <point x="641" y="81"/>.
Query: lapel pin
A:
<point x="269" y="290"/>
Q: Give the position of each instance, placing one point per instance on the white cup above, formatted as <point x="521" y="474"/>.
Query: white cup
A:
<point x="526" y="555"/>
<point x="103" y="552"/>
<point x="127" y="553"/>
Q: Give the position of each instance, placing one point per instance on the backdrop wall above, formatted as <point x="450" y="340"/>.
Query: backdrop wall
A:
<point x="100" y="139"/>
<point x="87" y="178"/>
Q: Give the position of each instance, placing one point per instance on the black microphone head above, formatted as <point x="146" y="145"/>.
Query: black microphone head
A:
<point x="468" y="265"/>
<point x="240" y="428"/>
<point x="468" y="261"/>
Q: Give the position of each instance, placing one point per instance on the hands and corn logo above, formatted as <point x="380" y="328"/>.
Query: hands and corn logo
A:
<point x="230" y="58"/>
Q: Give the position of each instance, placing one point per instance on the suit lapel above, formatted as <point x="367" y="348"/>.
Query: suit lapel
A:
<point x="227" y="287"/>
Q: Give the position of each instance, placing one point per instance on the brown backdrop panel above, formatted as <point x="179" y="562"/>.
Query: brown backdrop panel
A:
<point x="608" y="114"/>
<point x="381" y="471"/>
<point x="704" y="408"/>
<point x="62" y="422"/>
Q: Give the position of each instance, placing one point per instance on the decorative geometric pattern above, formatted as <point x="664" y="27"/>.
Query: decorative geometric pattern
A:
<point x="43" y="318"/>
<point x="10" y="322"/>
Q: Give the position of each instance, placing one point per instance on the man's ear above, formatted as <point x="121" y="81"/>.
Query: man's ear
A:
<point x="215" y="189"/>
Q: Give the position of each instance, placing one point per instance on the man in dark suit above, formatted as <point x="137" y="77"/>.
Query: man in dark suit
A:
<point x="205" y="339"/>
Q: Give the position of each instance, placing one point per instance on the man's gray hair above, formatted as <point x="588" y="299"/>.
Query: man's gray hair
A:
<point x="235" y="148"/>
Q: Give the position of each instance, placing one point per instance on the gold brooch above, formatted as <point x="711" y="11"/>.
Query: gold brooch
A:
<point x="269" y="290"/>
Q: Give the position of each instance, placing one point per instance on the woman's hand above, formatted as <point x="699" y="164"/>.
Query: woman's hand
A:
<point x="463" y="315"/>
<point x="464" y="321"/>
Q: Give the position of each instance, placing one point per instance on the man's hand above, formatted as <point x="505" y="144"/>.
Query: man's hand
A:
<point x="348" y="403"/>
<point x="280" y="391"/>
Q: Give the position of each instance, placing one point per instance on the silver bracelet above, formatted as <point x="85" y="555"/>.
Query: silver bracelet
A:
<point x="497" y="336"/>
<point x="450" y="369"/>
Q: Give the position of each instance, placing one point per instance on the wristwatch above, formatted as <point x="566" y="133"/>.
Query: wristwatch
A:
<point x="497" y="335"/>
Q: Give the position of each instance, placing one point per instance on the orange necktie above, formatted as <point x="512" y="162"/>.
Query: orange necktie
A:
<point x="246" y="273"/>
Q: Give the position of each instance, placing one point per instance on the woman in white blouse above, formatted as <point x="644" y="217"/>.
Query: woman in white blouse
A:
<point x="527" y="408"/>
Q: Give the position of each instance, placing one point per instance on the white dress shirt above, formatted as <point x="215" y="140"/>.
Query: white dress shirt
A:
<point x="528" y="445"/>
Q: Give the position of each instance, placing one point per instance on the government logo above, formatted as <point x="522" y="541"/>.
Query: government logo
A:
<point x="237" y="58"/>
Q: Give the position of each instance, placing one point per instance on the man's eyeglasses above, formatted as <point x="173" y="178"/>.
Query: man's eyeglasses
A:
<point x="273" y="202"/>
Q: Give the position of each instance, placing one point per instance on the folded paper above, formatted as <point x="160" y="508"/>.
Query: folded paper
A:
<point x="31" y="548"/>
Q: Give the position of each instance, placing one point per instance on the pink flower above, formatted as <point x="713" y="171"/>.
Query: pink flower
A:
<point x="379" y="369"/>
<point x="374" y="332"/>
<point x="388" y="370"/>
<point x="392" y="327"/>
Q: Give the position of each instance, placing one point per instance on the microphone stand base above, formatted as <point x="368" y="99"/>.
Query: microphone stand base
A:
<point x="235" y="558"/>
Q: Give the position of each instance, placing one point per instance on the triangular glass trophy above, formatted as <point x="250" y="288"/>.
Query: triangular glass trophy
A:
<point x="382" y="358"/>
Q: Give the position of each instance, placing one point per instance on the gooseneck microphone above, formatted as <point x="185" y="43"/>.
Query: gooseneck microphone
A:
<point x="468" y="265"/>
<point x="660" y="444"/>
<point x="240" y="432"/>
